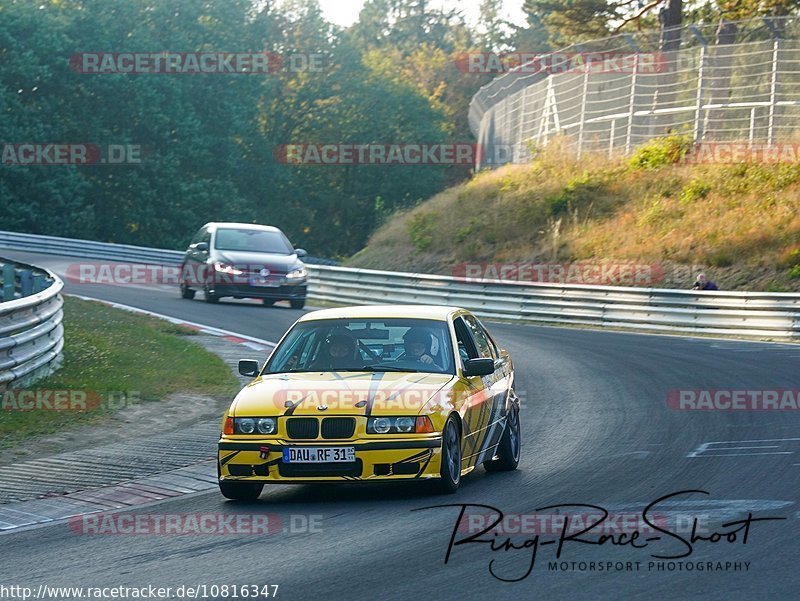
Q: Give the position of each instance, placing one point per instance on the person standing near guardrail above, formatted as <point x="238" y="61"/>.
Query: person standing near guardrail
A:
<point x="703" y="283"/>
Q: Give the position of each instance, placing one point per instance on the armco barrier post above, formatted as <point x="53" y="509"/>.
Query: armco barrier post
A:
<point x="39" y="282"/>
<point x="26" y="282"/>
<point x="8" y="283"/>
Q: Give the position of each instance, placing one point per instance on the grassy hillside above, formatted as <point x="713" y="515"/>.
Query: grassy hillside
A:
<point x="739" y="222"/>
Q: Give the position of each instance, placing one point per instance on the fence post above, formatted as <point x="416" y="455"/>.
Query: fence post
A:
<point x="773" y="89"/>
<point x="521" y="126"/>
<point x="583" y="110"/>
<point x="611" y="137"/>
<point x="752" y="127"/>
<point x="25" y="282"/>
<point x="8" y="282"/>
<point x="39" y="282"/>
<point x="632" y="104"/>
<point x="698" y="128"/>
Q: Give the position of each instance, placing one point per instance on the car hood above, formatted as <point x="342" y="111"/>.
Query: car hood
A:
<point x="276" y="263"/>
<point x="338" y="393"/>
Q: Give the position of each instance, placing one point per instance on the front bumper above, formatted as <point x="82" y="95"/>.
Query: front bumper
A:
<point x="283" y="292"/>
<point x="384" y="459"/>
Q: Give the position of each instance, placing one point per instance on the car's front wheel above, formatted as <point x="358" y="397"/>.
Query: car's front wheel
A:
<point x="297" y="304"/>
<point x="509" y="449"/>
<point x="209" y="296"/>
<point x="450" y="471"/>
<point x="240" y="491"/>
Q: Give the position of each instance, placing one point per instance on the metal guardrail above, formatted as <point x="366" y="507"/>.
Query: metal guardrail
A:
<point x="760" y="314"/>
<point x="31" y="330"/>
<point x="91" y="249"/>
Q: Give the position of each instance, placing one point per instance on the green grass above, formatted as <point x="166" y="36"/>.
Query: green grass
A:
<point x="109" y="351"/>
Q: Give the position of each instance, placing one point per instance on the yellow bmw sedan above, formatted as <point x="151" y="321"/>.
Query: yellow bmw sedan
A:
<point x="384" y="392"/>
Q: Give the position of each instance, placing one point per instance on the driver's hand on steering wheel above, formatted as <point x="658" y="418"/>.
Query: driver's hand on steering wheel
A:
<point x="427" y="359"/>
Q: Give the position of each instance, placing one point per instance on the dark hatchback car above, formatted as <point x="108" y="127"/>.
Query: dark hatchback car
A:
<point x="243" y="260"/>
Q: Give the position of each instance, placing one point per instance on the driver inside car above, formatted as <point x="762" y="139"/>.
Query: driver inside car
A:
<point x="416" y="342"/>
<point x="338" y="352"/>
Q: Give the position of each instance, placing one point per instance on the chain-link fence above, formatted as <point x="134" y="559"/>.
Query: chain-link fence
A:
<point x="730" y="81"/>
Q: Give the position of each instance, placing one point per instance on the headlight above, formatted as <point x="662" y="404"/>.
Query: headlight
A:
<point x="225" y="268"/>
<point x="266" y="425"/>
<point x="245" y="425"/>
<point x="255" y="425"/>
<point x="399" y="425"/>
<point x="297" y="274"/>
<point x="404" y="424"/>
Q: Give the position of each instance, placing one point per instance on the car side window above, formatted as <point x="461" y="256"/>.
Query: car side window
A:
<point x="466" y="345"/>
<point x="484" y="346"/>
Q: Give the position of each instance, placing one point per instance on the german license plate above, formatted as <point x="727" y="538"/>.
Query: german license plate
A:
<point x="319" y="454"/>
<point x="267" y="282"/>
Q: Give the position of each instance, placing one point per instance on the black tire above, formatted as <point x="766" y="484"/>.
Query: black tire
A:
<point x="208" y="296"/>
<point x="508" y="451"/>
<point x="267" y="302"/>
<point x="187" y="292"/>
<point x="240" y="491"/>
<point x="450" y="471"/>
<point x="298" y="304"/>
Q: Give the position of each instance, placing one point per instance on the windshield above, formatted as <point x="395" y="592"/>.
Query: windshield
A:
<point x="258" y="241"/>
<point x="380" y="345"/>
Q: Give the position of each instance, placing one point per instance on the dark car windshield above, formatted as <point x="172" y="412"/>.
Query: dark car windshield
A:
<point x="378" y="345"/>
<point x="258" y="241"/>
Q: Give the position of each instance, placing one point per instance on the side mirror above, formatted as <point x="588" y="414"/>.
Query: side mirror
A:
<point x="478" y="367"/>
<point x="300" y="252"/>
<point x="201" y="246"/>
<point x="249" y="367"/>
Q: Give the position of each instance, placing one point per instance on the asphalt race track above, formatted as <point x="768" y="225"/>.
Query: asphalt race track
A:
<point x="596" y="430"/>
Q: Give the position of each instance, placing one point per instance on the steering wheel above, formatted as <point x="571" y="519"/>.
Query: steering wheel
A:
<point x="368" y="350"/>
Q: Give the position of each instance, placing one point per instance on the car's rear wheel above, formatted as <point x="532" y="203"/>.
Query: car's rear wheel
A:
<point x="187" y="292"/>
<point x="298" y="304"/>
<point x="509" y="449"/>
<point x="267" y="302"/>
<point x="240" y="491"/>
<point x="450" y="471"/>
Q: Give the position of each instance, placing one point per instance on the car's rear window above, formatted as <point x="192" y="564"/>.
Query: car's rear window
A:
<point x="246" y="240"/>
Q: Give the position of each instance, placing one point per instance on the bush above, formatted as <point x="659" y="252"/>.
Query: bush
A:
<point x="420" y="229"/>
<point x="660" y="152"/>
<point x="694" y="191"/>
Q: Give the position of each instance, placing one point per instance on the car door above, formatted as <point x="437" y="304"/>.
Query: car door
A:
<point x="491" y="418"/>
<point x="195" y="258"/>
<point x="479" y="405"/>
